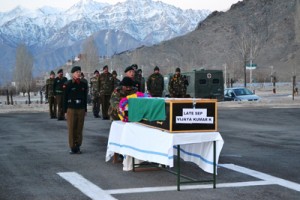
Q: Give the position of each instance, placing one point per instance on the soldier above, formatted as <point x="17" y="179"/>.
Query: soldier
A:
<point x="50" y="95"/>
<point x="106" y="85"/>
<point x="75" y="108"/>
<point x="178" y="85"/>
<point x="155" y="83"/>
<point x="129" y="72"/>
<point x="141" y="80"/>
<point x="126" y="88"/>
<point x="58" y="93"/>
<point x="136" y="77"/>
<point x="116" y="80"/>
<point x="95" y="93"/>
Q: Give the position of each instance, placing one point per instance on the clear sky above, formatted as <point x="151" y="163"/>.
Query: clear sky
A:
<point x="220" y="5"/>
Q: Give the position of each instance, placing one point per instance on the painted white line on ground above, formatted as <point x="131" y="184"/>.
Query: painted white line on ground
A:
<point x="85" y="186"/>
<point x="186" y="187"/>
<point x="263" y="176"/>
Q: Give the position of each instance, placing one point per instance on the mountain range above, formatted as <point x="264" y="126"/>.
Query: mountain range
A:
<point x="55" y="35"/>
<point x="270" y="27"/>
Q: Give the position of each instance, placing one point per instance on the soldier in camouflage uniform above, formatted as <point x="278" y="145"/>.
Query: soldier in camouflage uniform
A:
<point x="50" y="95"/>
<point x="116" y="80"/>
<point x="155" y="83"/>
<point x="95" y="93"/>
<point x="58" y="89"/>
<point x="106" y="85"/>
<point x="178" y="85"/>
<point x="126" y="88"/>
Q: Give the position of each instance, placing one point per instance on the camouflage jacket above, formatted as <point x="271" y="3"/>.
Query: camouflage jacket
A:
<point x="155" y="84"/>
<point x="106" y="83"/>
<point x="94" y="84"/>
<point x="116" y="82"/>
<point x="49" y="87"/>
<point x="177" y="86"/>
<point x="115" y="99"/>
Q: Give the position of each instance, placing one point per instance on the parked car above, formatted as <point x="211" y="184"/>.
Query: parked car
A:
<point x="239" y="94"/>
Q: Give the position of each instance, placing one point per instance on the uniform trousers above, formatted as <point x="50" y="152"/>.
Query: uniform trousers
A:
<point x="59" y="101"/>
<point x="105" y="105"/>
<point x="52" y="106"/>
<point x="96" y="106"/>
<point x="75" y="121"/>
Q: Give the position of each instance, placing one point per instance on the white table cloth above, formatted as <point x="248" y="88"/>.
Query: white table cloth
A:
<point x="154" y="145"/>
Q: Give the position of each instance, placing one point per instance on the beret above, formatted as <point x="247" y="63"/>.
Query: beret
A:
<point x="139" y="70"/>
<point x="127" y="82"/>
<point x="52" y="72"/>
<point x="105" y="67"/>
<point x="75" y="68"/>
<point x="114" y="72"/>
<point x="128" y="69"/>
<point x="96" y="71"/>
<point x="156" y="68"/>
<point x="60" y="71"/>
<point x="177" y="69"/>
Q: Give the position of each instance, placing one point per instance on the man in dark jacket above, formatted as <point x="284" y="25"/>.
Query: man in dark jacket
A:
<point x="75" y="108"/>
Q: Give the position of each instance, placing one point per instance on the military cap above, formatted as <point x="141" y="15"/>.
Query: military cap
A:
<point x="156" y="68"/>
<point x="114" y="72"/>
<point x="105" y="67"/>
<point x="52" y="72"/>
<point x="177" y="69"/>
<point x="60" y="71"/>
<point x="127" y="82"/>
<point x="96" y="71"/>
<point x="75" y="68"/>
<point x="139" y="70"/>
<point x="128" y="69"/>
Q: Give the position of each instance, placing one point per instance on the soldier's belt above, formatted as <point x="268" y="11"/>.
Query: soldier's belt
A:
<point x="76" y="101"/>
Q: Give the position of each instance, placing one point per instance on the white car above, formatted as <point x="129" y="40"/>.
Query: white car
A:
<point x="239" y="94"/>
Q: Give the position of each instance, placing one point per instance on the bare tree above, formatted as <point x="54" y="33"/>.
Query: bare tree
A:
<point x="247" y="46"/>
<point x="90" y="60"/>
<point x="23" y="70"/>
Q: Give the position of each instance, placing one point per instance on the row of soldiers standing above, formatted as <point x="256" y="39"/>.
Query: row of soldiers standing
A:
<point x="102" y="85"/>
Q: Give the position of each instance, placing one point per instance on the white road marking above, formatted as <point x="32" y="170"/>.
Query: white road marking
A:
<point x="263" y="176"/>
<point x="186" y="187"/>
<point x="85" y="186"/>
<point x="96" y="193"/>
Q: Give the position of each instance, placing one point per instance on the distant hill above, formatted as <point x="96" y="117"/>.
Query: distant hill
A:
<point x="273" y="25"/>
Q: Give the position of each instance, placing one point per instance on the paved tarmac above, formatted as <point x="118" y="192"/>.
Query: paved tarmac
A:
<point x="259" y="160"/>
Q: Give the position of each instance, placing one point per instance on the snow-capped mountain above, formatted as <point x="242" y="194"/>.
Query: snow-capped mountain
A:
<point x="49" y="29"/>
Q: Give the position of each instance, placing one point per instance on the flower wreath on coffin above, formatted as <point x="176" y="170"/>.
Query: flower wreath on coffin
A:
<point x="123" y="105"/>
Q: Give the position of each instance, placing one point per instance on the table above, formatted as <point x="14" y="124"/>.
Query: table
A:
<point x="154" y="145"/>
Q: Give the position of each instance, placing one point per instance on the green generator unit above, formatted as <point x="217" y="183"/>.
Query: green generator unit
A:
<point x="203" y="83"/>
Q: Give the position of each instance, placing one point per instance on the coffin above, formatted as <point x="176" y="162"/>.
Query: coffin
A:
<point x="181" y="115"/>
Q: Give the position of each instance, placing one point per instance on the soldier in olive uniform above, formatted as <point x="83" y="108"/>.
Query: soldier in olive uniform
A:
<point x="95" y="93"/>
<point x="106" y="85"/>
<point x="50" y="95"/>
<point x="155" y="83"/>
<point x="75" y="108"/>
<point x="126" y="88"/>
<point x="116" y="80"/>
<point x="58" y="93"/>
<point x="178" y="85"/>
<point x="141" y="80"/>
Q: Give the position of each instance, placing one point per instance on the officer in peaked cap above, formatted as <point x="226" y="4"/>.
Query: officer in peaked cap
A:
<point x="75" y="108"/>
